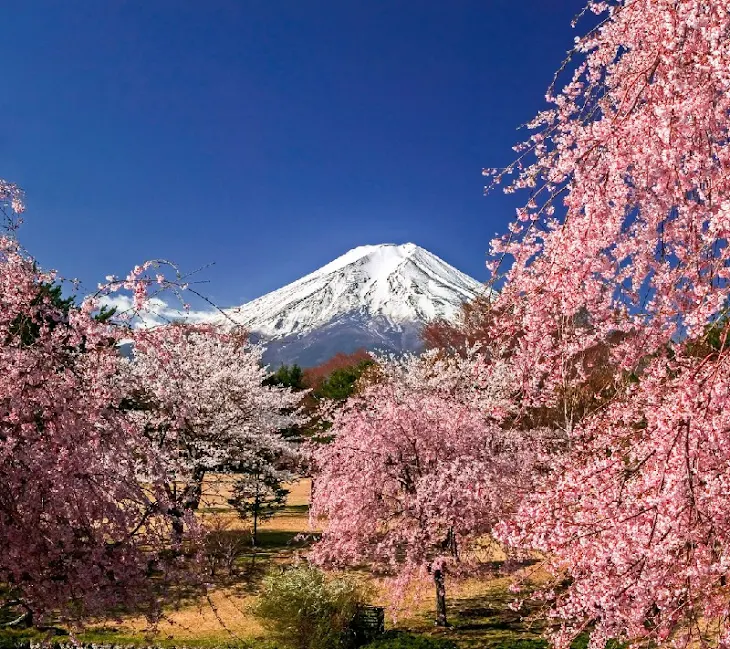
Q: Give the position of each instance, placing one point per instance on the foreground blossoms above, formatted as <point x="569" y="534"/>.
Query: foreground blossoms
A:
<point x="102" y="458"/>
<point x="623" y="243"/>
<point x="83" y="522"/>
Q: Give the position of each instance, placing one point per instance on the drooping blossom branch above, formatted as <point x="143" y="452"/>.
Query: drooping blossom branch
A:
<point x="83" y="514"/>
<point x="627" y="173"/>
<point x="624" y="240"/>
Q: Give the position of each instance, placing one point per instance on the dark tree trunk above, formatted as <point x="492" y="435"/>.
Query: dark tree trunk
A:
<point x="178" y="527"/>
<point x="439" y="580"/>
<point x="188" y="499"/>
<point x="193" y="490"/>
<point x="254" y="538"/>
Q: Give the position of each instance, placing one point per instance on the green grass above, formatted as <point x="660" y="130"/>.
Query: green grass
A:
<point x="400" y="640"/>
<point x="277" y="540"/>
<point x="110" y="637"/>
<point x="295" y="510"/>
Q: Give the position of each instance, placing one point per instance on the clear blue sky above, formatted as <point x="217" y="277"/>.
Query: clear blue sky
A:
<point x="267" y="136"/>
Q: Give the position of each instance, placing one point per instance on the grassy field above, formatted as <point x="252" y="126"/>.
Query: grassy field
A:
<point x="478" y="608"/>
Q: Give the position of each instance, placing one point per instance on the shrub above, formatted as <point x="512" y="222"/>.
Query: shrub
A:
<point x="306" y="609"/>
<point x="223" y="546"/>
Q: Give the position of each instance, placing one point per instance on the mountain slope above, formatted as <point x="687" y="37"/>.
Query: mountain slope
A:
<point x="372" y="296"/>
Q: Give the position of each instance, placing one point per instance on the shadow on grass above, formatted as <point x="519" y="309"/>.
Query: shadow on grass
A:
<point x="273" y="546"/>
<point x="287" y="510"/>
<point x="489" y="620"/>
<point x="485" y="619"/>
<point x="269" y="539"/>
<point x="401" y="640"/>
<point x="103" y="636"/>
<point x="295" y="510"/>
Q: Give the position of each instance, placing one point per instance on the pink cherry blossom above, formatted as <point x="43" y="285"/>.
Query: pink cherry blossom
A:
<point x="623" y="240"/>
<point x="418" y="472"/>
<point x="83" y="513"/>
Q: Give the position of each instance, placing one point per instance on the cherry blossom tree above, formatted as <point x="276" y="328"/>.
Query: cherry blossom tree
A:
<point x="636" y="512"/>
<point x="418" y="472"/>
<point x="627" y="218"/>
<point x="624" y="238"/>
<point x="84" y="520"/>
<point x="200" y="395"/>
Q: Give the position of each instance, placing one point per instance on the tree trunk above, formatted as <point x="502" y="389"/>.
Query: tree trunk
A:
<point x="178" y="527"/>
<point x="439" y="580"/>
<point x="25" y="619"/>
<point x="193" y="491"/>
<point x="188" y="500"/>
<point x="254" y="538"/>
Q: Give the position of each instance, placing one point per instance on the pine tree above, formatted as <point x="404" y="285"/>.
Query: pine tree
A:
<point x="258" y="494"/>
<point x="287" y="376"/>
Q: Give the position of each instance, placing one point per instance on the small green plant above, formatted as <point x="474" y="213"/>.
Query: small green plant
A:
<point x="19" y="638"/>
<point x="307" y="609"/>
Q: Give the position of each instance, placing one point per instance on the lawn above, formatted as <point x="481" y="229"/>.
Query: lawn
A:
<point x="478" y="607"/>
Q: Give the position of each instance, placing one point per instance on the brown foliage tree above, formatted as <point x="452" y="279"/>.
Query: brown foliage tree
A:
<point x="315" y="376"/>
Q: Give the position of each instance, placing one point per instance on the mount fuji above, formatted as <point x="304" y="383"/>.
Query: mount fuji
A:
<point x="377" y="297"/>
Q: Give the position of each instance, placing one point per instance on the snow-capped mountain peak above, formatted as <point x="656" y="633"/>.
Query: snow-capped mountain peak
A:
<point x="394" y="285"/>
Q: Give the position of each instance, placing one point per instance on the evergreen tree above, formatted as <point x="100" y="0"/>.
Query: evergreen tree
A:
<point x="258" y="494"/>
<point x="340" y="384"/>
<point x="287" y="376"/>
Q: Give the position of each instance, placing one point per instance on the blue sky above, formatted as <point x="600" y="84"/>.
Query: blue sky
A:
<point x="267" y="136"/>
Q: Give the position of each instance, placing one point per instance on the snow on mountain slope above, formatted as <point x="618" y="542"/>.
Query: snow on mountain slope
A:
<point x="384" y="287"/>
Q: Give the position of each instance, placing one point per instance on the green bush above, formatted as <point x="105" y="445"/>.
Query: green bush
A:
<point x="305" y="609"/>
<point x="396" y="640"/>
<point x="581" y="642"/>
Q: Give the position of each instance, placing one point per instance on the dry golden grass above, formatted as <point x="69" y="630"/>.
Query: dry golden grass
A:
<point x="478" y="606"/>
<point x="294" y="518"/>
<point x="217" y="490"/>
<point x="224" y="615"/>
